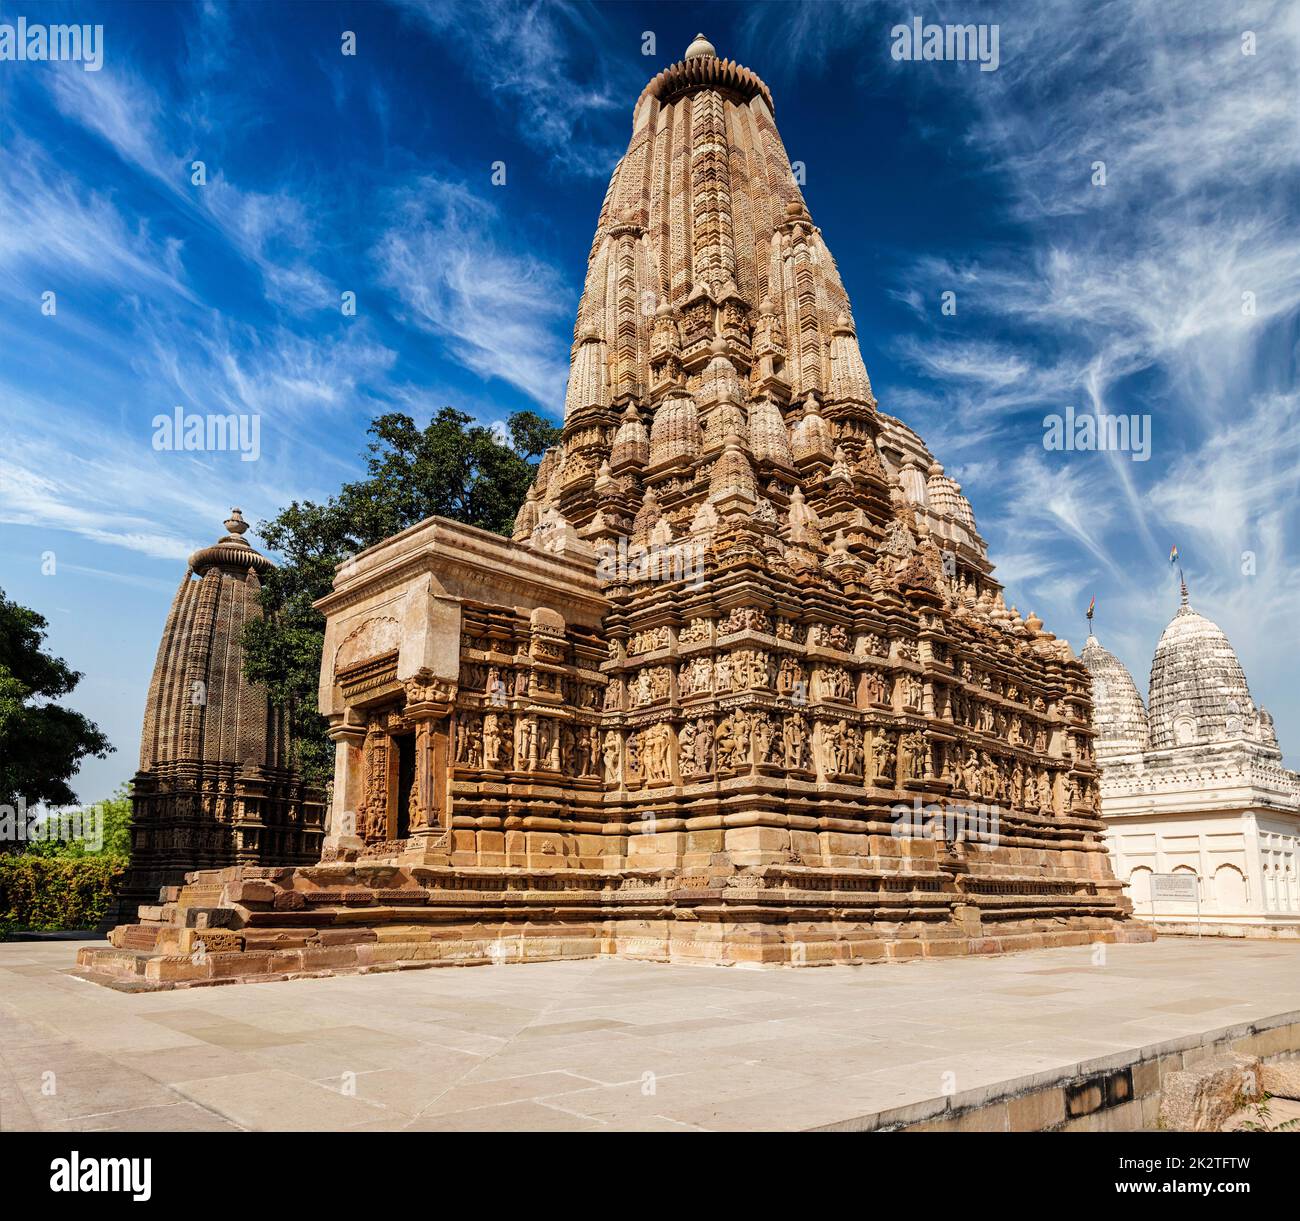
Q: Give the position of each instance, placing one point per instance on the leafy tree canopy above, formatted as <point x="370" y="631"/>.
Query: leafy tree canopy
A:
<point x="450" y="468"/>
<point x="41" y="742"/>
<point x="116" y="830"/>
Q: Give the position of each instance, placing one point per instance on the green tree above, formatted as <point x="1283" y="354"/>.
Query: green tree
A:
<point x="41" y="742"/>
<point x="116" y="813"/>
<point x="450" y="468"/>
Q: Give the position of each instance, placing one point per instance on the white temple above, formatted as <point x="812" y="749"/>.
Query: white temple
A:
<point x="1193" y="783"/>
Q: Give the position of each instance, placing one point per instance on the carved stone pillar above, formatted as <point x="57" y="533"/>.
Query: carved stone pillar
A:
<point x="343" y="835"/>
<point x="373" y="804"/>
<point x="428" y="704"/>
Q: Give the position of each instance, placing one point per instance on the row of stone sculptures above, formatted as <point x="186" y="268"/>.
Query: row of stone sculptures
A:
<point x="500" y="742"/>
<point x="833" y="749"/>
<point x="742" y="739"/>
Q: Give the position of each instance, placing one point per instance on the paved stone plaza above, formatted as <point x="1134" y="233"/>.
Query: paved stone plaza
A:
<point x="603" y="1044"/>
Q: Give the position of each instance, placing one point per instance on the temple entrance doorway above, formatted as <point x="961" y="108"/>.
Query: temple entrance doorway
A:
<point x="405" y="744"/>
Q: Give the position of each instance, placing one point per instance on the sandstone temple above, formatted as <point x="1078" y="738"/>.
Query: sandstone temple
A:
<point x="1193" y="782"/>
<point x="215" y="786"/>
<point x="741" y="689"/>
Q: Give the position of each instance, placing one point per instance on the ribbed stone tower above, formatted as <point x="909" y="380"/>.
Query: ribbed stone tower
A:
<point x="1198" y="692"/>
<point x="1120" y="715"/>
<point x="214" y="786"/>
<point x="742" y="687"/>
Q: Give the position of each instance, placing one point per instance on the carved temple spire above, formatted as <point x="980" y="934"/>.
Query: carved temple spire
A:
<point x="708" y="282"/>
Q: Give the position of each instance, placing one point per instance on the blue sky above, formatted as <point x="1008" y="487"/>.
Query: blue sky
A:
<point x="373" y="174"/>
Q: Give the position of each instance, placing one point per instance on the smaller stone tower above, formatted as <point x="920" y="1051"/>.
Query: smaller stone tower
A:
<point x="215" y="786"/>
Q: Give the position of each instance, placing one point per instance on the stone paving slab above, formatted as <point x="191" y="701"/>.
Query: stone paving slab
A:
<point x="602" y="1044"/>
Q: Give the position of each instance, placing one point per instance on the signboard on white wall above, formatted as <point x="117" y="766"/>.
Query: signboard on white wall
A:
<point x="1175" y="887"/>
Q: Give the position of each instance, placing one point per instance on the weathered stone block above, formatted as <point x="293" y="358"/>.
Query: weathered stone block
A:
<point x="1200" y="1098"/>
<point x="250" y="892"/>
<point x="1036" y="1112"/>
<point x="170" y="968"/>
<point x="1281" y="1078"/>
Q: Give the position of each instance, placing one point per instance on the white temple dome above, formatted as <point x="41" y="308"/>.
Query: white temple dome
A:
<point x="700" y="48"/>
<point x="1198" y="688"/>
<point x="1118" y="712"/>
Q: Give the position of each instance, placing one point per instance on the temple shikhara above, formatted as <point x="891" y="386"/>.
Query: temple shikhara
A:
<point x="745" y="629"/>
<point x="1193" y="783"/>
<point x="215" y="786"/>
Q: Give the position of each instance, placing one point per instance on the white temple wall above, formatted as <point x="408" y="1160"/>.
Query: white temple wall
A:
<point x="1247" y="863"/>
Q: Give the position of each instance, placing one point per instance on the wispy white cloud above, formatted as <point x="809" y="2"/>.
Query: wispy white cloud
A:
<point x="523" y="55"/>
<point x="1146" y="274"/>
<point x="273" y="230"/>
<point x="55" y="226"/>
<point x="44" y="486"/>
<point x="499" y="311"/>
<point x="292" y="380"/>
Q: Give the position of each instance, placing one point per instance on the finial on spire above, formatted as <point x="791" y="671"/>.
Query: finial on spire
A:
<point x="700" y="48"/>
<point x="235" y="523"/>
<point x="1183" y="586"/>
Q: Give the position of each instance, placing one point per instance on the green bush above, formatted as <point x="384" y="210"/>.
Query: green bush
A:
<point x="47" y="893"/>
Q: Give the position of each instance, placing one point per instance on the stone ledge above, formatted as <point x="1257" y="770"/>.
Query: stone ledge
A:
<point x="1042" y="1101"/>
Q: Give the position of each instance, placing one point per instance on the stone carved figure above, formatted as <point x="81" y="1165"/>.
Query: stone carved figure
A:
<point x="882" y="758"/>
<point x="731" y="744"/>
<point x="373" y="813"/>
<point x="686" y="740"/>
<point x="611" y="754"/>
<point x="832" y="747"/>
<point x="469" y="741"/>
<point x="657" y="745"/>
<point x="696" y="677"/>
<point x="832" y="683"/>
<point x="648" y="641"/>
<point x="763" y="740"/>
<point x="853" y="751"/>
<point x="912" y="691"/>
<point x="526" y="752"/>
<point x="872" y="644"/>
<point x="695" y="631"/>
<point x="910" y="749"/>
<point x="794" y="737"/>
<point x="491" y="742"/>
